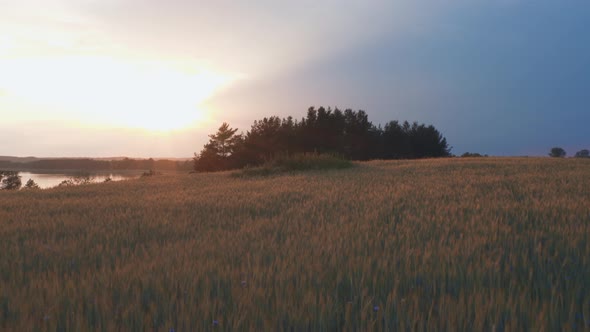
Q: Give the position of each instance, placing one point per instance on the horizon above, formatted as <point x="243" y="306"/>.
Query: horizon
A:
<point x="569" y="155"/>
<point x="98" y="158"/>
<point x="146" y="79"/>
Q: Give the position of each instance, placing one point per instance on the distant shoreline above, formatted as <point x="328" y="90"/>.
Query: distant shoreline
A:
<point x="94" y="165"/>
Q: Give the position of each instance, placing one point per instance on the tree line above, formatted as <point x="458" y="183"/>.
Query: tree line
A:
<point x="346" y="133"/>
<point x="88" y="164"/>
<point x="558" y="152"/>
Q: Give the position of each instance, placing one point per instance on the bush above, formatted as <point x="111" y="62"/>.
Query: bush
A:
<point x="10" y="180"/>
<point x="583" y="154"/>
<point x="557" y="152"/>
<point x="472" y="155"/>
<point x="31" y="184"/>
<point x="151" y="172"/>
<point x="297" y="162"/>
<point x="76" y="181"/>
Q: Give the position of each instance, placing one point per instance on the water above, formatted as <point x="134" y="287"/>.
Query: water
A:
<point x="51" y="179"/>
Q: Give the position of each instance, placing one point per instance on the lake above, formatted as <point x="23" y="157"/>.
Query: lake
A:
<point x="48" y="179"/>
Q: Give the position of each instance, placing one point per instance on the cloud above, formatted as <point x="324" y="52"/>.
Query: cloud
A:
<point x="251" y="37"/>
<point x="477" y="70"/>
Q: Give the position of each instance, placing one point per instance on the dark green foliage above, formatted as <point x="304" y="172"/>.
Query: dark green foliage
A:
<point x="10" y="180"/>
<point x="266" y="138"/>
<point x="557" y="152"/>
<point x="583" y="154"/>
<point x="349" y="134"/>
<point x="407" y="141"/>
<point x="217" y="154"/>
<point x="297" y="162"/>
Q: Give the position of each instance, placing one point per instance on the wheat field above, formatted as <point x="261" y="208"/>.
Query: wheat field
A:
<point x="483" y="244"/>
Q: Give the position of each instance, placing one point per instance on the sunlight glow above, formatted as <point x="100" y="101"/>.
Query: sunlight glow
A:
<point x="110" y="92"/>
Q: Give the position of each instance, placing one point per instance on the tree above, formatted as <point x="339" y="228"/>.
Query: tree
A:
<point x="224" y="141"/>
<point x="427" y="142"/>
<point x="349" y="134"/>
<point x="10" y="180"/>
<point x="266" y="138"/>
<point x="396" y="143"/>
<point x="361" y="137"/>
<point x="557" y="152"/>
<point x="583" y="154"/>
<point x="413" y="141"/>
<point x="31" y="184"/>
<point x="216" y="154"/>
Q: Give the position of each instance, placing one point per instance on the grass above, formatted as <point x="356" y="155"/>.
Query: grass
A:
<point x="295" y="163"/>
<point x="453" y="244"/>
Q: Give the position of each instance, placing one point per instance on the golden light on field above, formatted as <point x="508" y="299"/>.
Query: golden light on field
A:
<point x="105" y="91"/>
<point x="460" y="244"/>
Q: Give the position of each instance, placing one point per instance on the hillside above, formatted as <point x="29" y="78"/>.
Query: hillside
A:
<point x="94" y="164"/>
<point x="449" y="244"/>
<point x="18" y="159"/>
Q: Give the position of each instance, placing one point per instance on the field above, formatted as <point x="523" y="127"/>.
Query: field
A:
<point x="483" y="244"/>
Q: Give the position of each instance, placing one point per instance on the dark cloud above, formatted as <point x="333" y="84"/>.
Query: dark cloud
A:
<point x="505" y="79"/>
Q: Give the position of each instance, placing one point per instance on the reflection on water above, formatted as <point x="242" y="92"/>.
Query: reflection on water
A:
<point x="48" y="180"/>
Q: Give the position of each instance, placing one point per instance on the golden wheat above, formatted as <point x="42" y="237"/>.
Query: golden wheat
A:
<point x="480" y="244"/>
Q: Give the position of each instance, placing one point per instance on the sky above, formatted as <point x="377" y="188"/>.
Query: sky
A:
<point x="147" y="78"/>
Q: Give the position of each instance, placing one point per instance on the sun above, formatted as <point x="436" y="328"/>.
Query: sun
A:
<point x="151" y="95"/>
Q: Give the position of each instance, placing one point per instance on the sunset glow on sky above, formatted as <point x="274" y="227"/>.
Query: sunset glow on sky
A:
<point x="108" y="92"/>
<point x="154" y="78"/>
